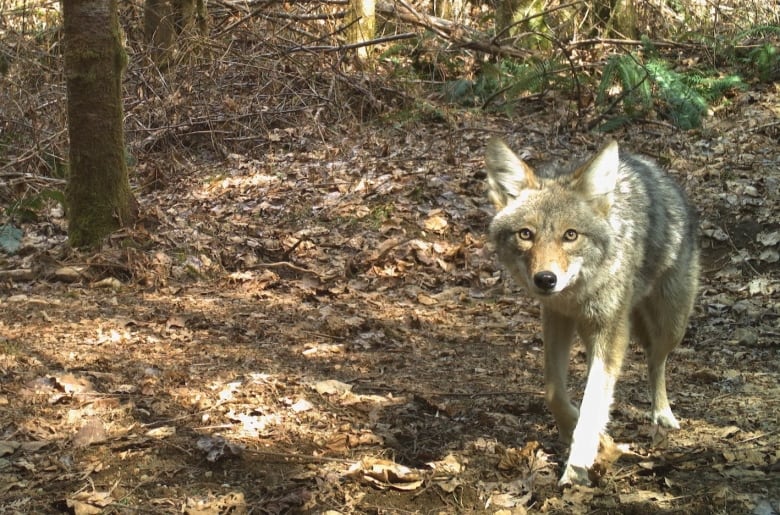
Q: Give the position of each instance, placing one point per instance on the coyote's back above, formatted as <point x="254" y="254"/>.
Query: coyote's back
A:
<point x="609" y="249"/>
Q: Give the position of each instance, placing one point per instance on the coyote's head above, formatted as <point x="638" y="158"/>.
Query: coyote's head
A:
<point x="551" y="228"/>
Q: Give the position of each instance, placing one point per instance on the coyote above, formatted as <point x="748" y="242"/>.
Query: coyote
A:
<point x="609" y="250"/>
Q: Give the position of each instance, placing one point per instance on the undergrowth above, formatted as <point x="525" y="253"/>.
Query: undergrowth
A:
<point x="632" y="85"/>
<point x="281" y="77"/>
<point x="679" y="77"/>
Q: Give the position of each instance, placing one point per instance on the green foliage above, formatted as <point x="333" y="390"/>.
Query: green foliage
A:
<point x="10" y="238"/>
<point x="760" y="31"/>
<point x="681" y="104"/>
<point x="682" y="98"/>
<point x="712" y="88"/>
<point x="766" y="59"/>
<point x="379" y="215"/>
<point x="626" y="73"/>
<point x="755" y="51"/>
<point x="419" y="111"/>
<point x="506" y="78"/>
<point x="459" y="90"/>
<point x="650" y="82"/>
<point x="27" y="208"/>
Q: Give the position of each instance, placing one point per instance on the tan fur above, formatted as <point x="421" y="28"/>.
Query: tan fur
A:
<point x="609" y="250"/>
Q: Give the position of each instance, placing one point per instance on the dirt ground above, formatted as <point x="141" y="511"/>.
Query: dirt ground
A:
<point x="325" y="330"/>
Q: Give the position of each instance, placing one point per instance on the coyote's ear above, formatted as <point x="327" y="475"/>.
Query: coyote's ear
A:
<point x="598" y="177"/>
<point x="508" y="175"/>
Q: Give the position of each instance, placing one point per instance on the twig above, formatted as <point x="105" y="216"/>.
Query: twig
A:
<point x="460" y="35"/>
<point x="764" y="126"/>
<point x="757" y="437"/>
<point x="21" y="274"/>
<point x="306" y="17"/>
<point x="631" y="42"/>
<point x="284" y="264"/>
<point x="352" y="46"/>
<point x="286" y="456"/>
<point x="31" y="153"/>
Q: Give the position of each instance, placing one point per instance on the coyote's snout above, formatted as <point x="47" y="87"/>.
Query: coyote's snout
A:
<point x="610" y="251"/>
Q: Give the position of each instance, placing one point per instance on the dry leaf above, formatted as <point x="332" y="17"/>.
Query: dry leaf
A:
<point x="8" y="447"/>
<point x="91" y="432"/>
<point x="435" y="223"/>
<point x="82" y="508"/>
<point x="644" y="496"/>
<point x="449" y="466"/>
<point x="34" y="446"/>
<point x="71" y="384"/>
<point x="109" y="282"/>
<point x="332" y="387"/>
<point x="217" y="448"/>
<point x="426" y="300"/>
<point x="161" y="432"/>
<point x="175" y="322"/>
<point x="89" y="503"/>
<point x="301" y="406"/>
<point x="233" y="503"/>
<point x="386" y="474"/>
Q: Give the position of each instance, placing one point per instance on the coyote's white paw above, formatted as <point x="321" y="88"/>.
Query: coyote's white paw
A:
<point x="574" y="475"/>
<point x="665" y="418"/>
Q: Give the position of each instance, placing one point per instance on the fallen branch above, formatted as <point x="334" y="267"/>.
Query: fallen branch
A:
<point x="20" y="274"/>
<point x="459" y="35"/>
<point x="471" y="39"/>
<point x="284" y="264"/>
<point x="630" y="42"/>
<point x="352" y="46"/>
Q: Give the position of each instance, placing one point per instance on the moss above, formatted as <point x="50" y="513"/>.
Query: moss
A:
<point x="98" y="196"/>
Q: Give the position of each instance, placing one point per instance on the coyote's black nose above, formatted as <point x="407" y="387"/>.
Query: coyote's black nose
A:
<point x="545" y="280"/>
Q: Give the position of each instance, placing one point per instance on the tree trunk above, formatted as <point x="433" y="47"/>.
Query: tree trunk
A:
<point x="363" y="25"/>
<point x="99" y="199"/>
<point x="167" y="21"/>
<point x="509" y="22"/>
<point x="621" y="19"/>
<point x="159" y="30"/>
<point x="505" y="13"/>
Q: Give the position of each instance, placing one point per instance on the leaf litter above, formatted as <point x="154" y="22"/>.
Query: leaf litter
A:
<point x="325" y="328"/>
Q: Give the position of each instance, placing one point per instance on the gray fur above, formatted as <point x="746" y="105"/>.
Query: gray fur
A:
<point x="629" y="264"/>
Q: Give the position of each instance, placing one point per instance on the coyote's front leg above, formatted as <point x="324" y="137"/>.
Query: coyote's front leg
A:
<point x="606" y="348"/>
<point x="558" y="333"/>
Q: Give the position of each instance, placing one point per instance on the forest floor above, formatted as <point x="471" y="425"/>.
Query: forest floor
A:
<point x="325" y="330"/>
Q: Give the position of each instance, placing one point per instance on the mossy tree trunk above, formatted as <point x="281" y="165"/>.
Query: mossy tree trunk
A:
<point x="167" y="21"/>
<point x="362" y="26"/>
<point x="616" y="17"/>
<point x="99" y="199"/>
<point x="532" y="24"/>
<point x="505" y="14"/>
<point x="523" y="20"/>
<point x="159" y="30"/>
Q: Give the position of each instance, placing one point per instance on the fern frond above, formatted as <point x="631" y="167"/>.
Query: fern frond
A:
<point x="761" y="30"/>
<point x="615" y="123"/>
<point x="607" y="77"/>
<point x="628" y="73"/>
<point x="684" y="106"/>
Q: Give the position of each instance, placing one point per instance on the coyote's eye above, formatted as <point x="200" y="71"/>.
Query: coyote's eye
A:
<point x="570" y="235"/>
<point x="525" y="234"/>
